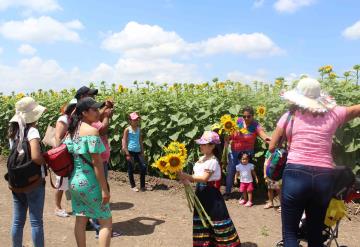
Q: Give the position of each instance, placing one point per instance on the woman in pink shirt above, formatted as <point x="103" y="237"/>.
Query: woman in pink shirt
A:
<point x="308" y="177"/>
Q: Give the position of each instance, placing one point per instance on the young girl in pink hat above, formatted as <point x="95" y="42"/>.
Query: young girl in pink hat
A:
<point x="206" y="172"/>
<point x="132" y="145"/>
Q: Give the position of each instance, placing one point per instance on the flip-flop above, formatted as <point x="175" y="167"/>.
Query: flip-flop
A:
<point x="114" y="234"/>
<point x="268" y="205"/>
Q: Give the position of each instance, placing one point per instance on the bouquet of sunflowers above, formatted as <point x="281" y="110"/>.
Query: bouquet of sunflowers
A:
<point x="173" y="162"/>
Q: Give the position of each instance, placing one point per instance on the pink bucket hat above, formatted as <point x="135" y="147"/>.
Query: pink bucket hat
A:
<point x="134" y="116"/>
<point x="209" y="137"/>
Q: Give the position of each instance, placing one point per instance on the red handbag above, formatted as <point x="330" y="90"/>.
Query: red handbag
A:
<point x="60" y="160"/>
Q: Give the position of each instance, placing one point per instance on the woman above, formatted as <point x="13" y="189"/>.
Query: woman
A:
<point x="242" y="141"/>
<point x="23" y="127"/>
<point x="61" y="129"/>
<point x="206" y="171"/>
<point x="308" y="176"/>
<point x="88" y="188"/>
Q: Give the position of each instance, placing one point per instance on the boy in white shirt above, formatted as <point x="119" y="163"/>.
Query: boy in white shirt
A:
<point x="246" y="172"/>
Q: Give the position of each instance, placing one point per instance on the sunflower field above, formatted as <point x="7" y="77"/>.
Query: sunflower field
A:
<point x="181" y="112"/>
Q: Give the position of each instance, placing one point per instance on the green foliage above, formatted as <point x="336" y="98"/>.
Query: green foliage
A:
<point x="183" y="111"/>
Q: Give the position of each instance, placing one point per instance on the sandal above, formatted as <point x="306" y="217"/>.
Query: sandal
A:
<point x="61" y="213"/>
<point x="268" y="205"/>
<point x="242" y="202"/>
<point x="248" y="204"/>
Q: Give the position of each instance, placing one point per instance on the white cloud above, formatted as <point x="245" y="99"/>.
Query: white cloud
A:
<point x="31" y="5"/>
<point x="139" y="40"/>
<point x="26" y="49"/>
<point x="34" y="73"/>
<point x="253" y="45"/>
<point x="42" y="29"/>
<point x="291" y="6"/>
<point x="352" y="32"/>
<point x="259" y="75"/>
<point x="258" y="3"/>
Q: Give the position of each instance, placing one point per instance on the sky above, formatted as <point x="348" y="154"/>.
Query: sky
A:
<point x="56" y="44"/>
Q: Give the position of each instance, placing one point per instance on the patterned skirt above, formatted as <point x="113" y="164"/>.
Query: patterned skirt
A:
<point x="223" y="233"/>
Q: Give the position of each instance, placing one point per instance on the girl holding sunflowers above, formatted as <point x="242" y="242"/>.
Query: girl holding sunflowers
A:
<point x="242" y="140"/>
<point x="206" y="171"/>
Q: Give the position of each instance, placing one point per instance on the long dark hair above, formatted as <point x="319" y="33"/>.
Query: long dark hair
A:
<point x="217" y="152"/>
<point x="69" y="109"/>
<point x="75" y="119"/>
<point x="293" y="108"/>
<point x="13" y="129"/>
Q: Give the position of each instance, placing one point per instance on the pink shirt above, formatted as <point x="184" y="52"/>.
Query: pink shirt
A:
<point x="311" y="139"/>
<point x="105" y="155"/>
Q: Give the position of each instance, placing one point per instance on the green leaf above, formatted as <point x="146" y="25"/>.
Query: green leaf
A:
<point x="191" y="134"/>
<point x="175" y="136"/>
<point x="234" y="110"/>
<point x="116" y="138"/>
<point x="148" y="143"/>
<point x="151" y="131"/>
<point x="185" y="121"/>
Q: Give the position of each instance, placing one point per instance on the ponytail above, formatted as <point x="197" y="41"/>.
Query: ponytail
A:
<point x="74" y="122"/>
<point x="217" y="153"/>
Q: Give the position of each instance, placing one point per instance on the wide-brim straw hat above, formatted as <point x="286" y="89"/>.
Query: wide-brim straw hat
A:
<point x="308" y="95"/>
<point x="28" y="109"/>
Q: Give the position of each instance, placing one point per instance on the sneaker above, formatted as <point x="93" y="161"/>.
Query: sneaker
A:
<point x="143" y="189"/>
<point x="242" y="202"/>
<point x="61" y="213"/>
<point x="249" y="204"/>
<point x="135" y="189"/>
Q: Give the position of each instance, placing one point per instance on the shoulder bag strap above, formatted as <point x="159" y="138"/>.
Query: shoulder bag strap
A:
<point x="289" y="139"/>
<point x="283" y="137"/>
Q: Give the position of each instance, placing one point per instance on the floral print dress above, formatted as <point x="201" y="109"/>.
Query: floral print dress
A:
<point x="86" y="198"/>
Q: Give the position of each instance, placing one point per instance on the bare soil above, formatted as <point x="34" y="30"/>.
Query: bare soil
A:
<point x="159" y="217"/>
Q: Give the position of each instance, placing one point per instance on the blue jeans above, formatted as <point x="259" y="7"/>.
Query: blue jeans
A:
<point x="136" y="157"/>
<point x="306" y="188"/>
<point x="231" y="168"/>
<point x="34" y="200"/>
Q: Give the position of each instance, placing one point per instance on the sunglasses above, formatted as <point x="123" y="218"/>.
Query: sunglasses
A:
<point x="247" y="116"/>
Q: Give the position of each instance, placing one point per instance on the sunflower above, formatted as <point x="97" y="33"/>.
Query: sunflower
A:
<point x="162" y="164"/>
<point x="175" y="163"/>
<point x="20" y="96"/>
<point x="228" y="124"/>
<point x="261" y="111"/>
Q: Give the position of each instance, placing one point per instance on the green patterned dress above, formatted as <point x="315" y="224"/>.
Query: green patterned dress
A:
<point x="85" y="189"/>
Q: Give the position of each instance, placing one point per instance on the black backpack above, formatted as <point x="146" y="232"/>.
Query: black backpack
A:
<point x="22" y="171"/>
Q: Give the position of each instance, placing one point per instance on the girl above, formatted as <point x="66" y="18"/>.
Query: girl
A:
<point x="206" y="171"/>
<point x="32" y="197"/>
<point x="246" y="172"/>
<point x="61" y="129"/>
<point x="132" y="143"/>
<point x="88" y="188"/>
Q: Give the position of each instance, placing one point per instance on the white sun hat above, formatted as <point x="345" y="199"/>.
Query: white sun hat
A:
<point x="27" y="111"/>
<point x="308" y="95"/>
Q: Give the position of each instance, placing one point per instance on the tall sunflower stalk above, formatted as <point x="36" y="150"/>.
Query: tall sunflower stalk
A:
<point x="174" y="161"/>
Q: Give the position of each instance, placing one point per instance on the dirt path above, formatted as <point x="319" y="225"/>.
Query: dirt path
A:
<point x="155" y="218"/>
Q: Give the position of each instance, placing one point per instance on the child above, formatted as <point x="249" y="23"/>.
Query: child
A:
<point x="246" y="172"/>
<point x="272" y="186"/>
<point x="134" y="150"/>
<point x="206" y="172"/>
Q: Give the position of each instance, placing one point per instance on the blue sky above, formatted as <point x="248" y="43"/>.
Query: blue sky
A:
<point x="58" y="44"/>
